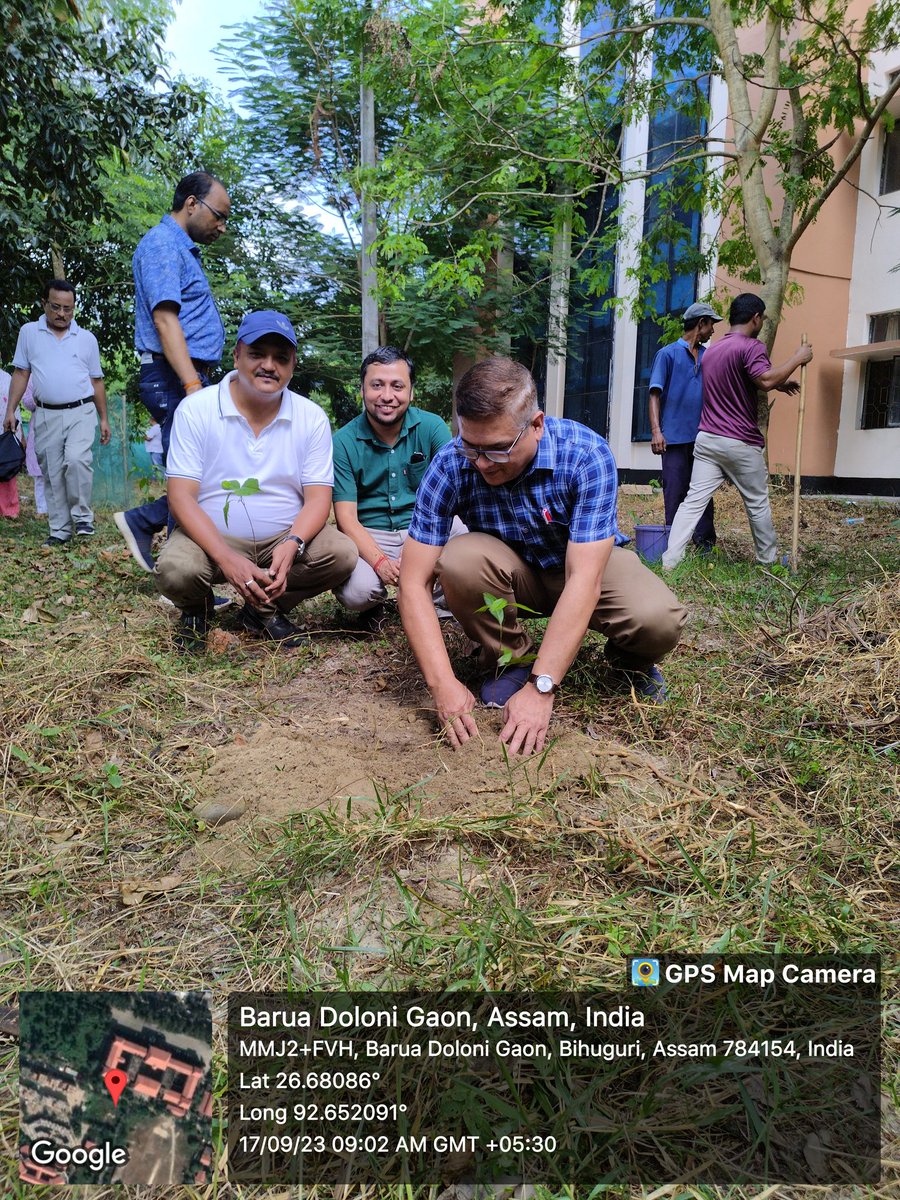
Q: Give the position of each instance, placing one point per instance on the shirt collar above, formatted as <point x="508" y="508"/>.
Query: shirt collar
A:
<point x="227" y="406"/>
<point x="42" y="324"/>
<point x="180" y="235"/>
<point x="545" y="459"/>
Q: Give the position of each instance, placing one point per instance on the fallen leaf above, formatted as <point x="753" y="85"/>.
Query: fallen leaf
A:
<point x="815" y="1151"/>
<point x="38" y="612"/>
<point x="135" y="891"/>
<point x="380" y="684"/>
<point x="58" y="835"/>
<point x="67" y="601"/>
<point x="93" y="746"/>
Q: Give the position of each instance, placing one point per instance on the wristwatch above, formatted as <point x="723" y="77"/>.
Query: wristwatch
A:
<point x="544" y="684"/>
<point x="301" y="545"/>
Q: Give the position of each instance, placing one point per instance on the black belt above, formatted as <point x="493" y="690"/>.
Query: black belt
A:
<point x="198" y="362"/>
<point x="74" y="404"/>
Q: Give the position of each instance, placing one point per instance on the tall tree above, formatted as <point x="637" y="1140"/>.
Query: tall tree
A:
<point x="83" y="95"/>
<point x="493" y="135"/>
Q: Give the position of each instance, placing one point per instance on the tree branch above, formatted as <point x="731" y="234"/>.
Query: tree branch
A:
<point x="841" y="172"/>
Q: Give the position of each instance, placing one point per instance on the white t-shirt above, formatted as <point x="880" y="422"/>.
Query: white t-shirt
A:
<point x="212" y="442"/>
<point x="153" y="439"/>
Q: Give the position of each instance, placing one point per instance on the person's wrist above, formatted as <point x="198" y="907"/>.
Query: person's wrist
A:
<point x="379" y="562"/>
<point x="192" y="385"/>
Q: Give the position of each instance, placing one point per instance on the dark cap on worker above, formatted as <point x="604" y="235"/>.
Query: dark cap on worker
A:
<point x="257" y="324"/>
<point x="695" y="311"/>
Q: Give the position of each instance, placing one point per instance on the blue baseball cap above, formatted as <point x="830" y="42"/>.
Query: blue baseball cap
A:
<point x="257" y="324"/>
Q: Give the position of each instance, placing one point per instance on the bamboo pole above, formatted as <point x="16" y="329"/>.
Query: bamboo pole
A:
<point x="801" y="409"/>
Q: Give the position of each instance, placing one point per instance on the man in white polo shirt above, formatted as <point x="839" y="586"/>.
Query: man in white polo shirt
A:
<point x="64" y="361"/>
<point x="270" y="539"/>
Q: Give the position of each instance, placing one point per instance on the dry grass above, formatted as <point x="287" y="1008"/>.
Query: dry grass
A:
<point x="758" y="809"/>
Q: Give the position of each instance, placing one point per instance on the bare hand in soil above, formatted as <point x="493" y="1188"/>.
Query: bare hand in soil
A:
<point x="527" y="715"/>
<point x="454" y="710"/>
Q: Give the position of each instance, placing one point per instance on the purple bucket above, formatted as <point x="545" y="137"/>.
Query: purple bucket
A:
<point x="650" y="541"/>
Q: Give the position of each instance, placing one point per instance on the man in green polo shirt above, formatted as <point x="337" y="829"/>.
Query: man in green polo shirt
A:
<point x="379" y="460"/>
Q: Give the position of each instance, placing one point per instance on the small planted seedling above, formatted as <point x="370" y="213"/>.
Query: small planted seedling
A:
<point x="250" y="487"/>
<point x="497" y="607"/>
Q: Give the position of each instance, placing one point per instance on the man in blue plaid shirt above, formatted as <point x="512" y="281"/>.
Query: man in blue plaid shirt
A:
<point x="538" y="495"/>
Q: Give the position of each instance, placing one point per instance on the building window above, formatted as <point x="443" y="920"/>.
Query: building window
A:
<point x="591" y="325"/>
<point x="890" y="162"/>
<point x="881" y="397"/>
<point x="671" y="214"/>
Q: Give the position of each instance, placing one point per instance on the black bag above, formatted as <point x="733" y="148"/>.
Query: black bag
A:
<point x="12" y="456"/>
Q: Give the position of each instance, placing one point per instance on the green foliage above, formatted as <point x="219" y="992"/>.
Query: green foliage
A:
<point x="490" y="135"/>
<point x="497" y="607"/>
<point x="84" y="98"/>
<point x="250" y="487"/>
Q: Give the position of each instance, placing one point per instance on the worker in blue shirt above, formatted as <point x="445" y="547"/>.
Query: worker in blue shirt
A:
<point x="676" y="398"/>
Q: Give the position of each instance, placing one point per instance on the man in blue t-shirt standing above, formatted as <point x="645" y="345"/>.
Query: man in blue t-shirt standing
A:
<point x="538" y="495"/>
<point x="676" y="398"/>
<point x="178" y="333"/>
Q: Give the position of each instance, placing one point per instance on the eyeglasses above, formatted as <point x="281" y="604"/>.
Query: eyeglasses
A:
<point x="60" y="308"/>
<point x="473" y="453"/>
<point x="220" y="216"/>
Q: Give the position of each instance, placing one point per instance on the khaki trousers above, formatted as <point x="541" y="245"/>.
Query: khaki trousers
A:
<point x="715" y="460"/>
<point x="63" y="440"/>
<point x="639" y="615"/>
<point x="185" y="573"/>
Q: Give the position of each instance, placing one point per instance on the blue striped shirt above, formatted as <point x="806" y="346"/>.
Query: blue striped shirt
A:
<point x="166" y="266"/>
<point x="567" y="494"/>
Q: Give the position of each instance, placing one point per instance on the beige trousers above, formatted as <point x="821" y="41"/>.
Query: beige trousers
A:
<point x="63" y="441"/>
<point x="185" y="573"/>
<point x="639" y="615"/>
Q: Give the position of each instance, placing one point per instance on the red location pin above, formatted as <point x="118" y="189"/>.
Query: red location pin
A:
<point x="116" y="1082"/>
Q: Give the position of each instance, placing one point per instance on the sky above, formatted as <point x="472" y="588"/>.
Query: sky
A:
<point x="192" y="37"/>
<point x="198" y="27"/>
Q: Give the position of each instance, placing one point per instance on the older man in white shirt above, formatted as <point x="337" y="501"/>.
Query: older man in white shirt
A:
<point x="249" y="483"/>
<point x="63" y="362"/>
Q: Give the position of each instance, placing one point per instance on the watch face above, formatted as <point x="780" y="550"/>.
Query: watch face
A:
<point x="544" y="684"/>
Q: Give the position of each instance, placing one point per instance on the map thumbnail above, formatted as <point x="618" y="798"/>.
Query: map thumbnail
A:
<point x="115" y="1087"/>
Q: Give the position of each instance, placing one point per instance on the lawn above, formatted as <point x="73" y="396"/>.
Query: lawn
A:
<point x="252" y="820"/>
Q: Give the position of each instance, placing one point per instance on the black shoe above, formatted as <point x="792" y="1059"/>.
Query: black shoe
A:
<point x="276" y="628"/>
<point x="55" y="541"/>
<point x="190" y="635"/>
<point x="84" y="529"/>
<point x="372" y="620"/>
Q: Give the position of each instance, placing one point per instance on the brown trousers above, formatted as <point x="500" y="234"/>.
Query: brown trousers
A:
<point x="185" y="573"/>
<point x="639" y="615"/>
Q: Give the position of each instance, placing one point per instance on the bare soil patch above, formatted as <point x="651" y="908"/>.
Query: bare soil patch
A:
<point x="353" y="757"/>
